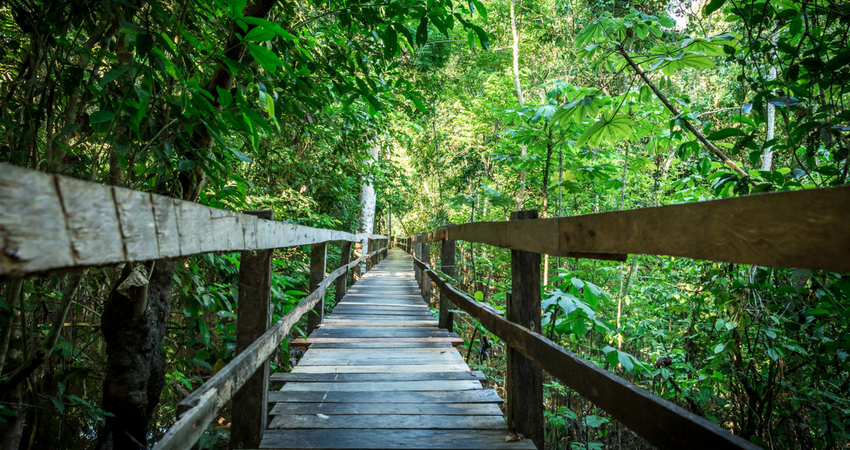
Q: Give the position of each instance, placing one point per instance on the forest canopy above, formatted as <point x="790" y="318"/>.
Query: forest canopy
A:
<point x="400" y="117"/>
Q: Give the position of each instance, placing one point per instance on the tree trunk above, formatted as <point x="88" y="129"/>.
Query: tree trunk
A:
<point x="523" y="148"/>
<point x="767" y="156"/>
<point x="368" y="201"/>
<point x="133" y="325"/>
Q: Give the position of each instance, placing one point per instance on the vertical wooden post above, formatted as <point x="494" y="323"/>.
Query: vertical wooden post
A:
<point x="426" y="280"/>
<point x="524" y="378"/>
<point x="358" y="252"/>
<point x="318" y="260"/>
<point x="447" y="266"/>
<point x="370" y="245"/>
<point x="250" y="404"/>
<point x="341" y="282"/>
<point x="417" y="274"/>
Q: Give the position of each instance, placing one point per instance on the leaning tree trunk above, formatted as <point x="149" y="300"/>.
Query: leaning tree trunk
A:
<point x="133" y="325"/>
<point x="368" y="201"/>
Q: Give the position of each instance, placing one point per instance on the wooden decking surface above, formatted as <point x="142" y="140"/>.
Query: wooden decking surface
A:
<point x="379" y="374"/>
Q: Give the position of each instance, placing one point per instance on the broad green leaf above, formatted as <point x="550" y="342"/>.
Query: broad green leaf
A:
<point x="265" y="57"/>
<point x="422" y="32"/>
<point x="242" y="157"/>
<point x="712" y="6"/>
<point x="225" y="98"/>
<point x="101" y="116"/>
<point x="113" y="74"/>
<point x="725" y="133"/>
<point x="611" y="129"/>
<point x="258" y="34"/>
<point x="390" y="39"/>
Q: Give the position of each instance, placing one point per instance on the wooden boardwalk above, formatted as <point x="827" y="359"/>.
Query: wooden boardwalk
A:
<point x="379" y="374"/>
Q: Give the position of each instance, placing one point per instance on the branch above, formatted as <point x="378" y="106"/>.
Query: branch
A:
<point x="701" y="137"/>
<point x="331" y="13"/>
<point x="41" y="355"/>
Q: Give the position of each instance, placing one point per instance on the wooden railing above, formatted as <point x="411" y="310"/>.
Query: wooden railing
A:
<point x="802" y="229"/>
<point x="52" y="223"/>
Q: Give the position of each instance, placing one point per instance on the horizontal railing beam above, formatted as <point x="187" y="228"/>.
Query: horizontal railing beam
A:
<point x="50" y="223"/>
<point x="801" y="229"/>
<point x="660" y="422"/>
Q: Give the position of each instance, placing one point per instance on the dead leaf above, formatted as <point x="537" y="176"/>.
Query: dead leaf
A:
<point x="514" y="437"/>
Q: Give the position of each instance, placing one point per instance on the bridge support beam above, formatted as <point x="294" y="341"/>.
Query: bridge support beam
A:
<point x="342" y="282"/>
<point x="417" y="273"/>
<point x="250" y="403"/>
<point x="447" y="266"/>
<point x="425" y="284"/>
<point x="524" y="378"/>
<point x="318" y="261"/>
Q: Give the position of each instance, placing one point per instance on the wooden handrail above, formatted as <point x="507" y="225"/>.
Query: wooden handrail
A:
<point x="198" y="410"/>
<point x="50" y="222"/>
<point x="756" y="229"/>
<point x="660" y="422"/>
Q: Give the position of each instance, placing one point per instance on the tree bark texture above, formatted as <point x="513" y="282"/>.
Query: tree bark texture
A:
<point x="133" y="326"/>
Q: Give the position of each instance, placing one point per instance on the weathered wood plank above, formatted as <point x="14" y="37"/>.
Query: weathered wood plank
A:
<point x="336" y="363"/>
<point x="395" y="367"/>
<point x="386" y="421"/>
<point x="392" y="439"/>
<point x="384" y="386"/>
<point x="318" y="264"/>
<point x="138" y="228"/>
<point x="524" y="384"/>
<point x="353" y="377"/>
<point x="400" y="306"/>
<point x="92" y="221"/>
<point x="720" y="230"/>
<point x="443" y="409"/>
<point x="660" y="422"/>
<point x="362" y="344"/>
<point x="425" y="397"/>
<point x="341" y="282"/>
<point x="370" y="352"/>
<point x="37" y="235"/>
<point x="193" y="222"/>
<point x="167" y="233"/>
<point x="387" y="332"/>
<point x="378" y="323"/>
<point x="253" y="319"/>
<point x="33" y="234"/>
<point x="447" y="266"/>
<point x="304" y="343"/>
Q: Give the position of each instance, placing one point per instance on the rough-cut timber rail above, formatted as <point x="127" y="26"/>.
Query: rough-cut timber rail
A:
<point x="379" y="374"/>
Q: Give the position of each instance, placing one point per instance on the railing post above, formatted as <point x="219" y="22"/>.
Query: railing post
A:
<point x="342" y="282"/>
<point x="358" y="252"/>
<point x="447" y="266"/>
<point x="417" y="273"/>
<point x="426" y="280"/>
<point x="369" y="246"/>
<point x="524" y="378"/>
<point x="318" y="261"/>
<point x="250" y="404"/>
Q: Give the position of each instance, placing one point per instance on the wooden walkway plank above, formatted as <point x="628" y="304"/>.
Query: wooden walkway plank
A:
<point x="391" y="421"/>
<point x="355" y="377"/>
<point x="379" y="374"/>
<point x="439" y="409"/>
<point x="369" y="438"/>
